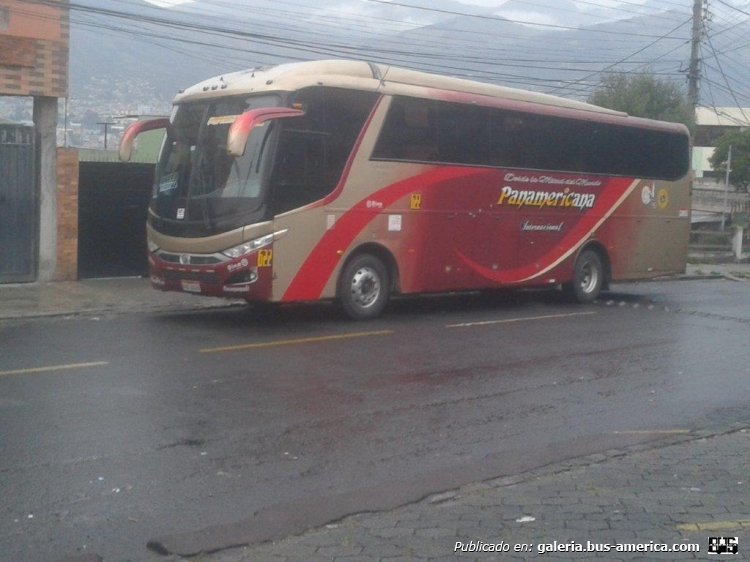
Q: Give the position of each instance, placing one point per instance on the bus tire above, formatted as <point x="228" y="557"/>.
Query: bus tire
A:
<point x="363" y="288"/>
<point x="588" y="277"/>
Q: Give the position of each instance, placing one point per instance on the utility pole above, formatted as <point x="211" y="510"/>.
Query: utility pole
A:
<point x="726" y="189"/>
<point x="106" y="129"/>
<point x="694" y="73"/>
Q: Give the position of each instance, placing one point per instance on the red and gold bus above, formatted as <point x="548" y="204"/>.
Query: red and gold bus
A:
<point x="355" y="181"/>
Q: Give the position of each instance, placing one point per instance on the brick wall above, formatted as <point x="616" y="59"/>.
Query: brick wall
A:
<point x="34" y="46"/>
<point x="67" y="214"/>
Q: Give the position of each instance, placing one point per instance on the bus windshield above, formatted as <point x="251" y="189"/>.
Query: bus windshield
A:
<point x="199" y="188"/>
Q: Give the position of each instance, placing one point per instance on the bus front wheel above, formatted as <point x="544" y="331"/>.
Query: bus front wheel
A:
<point x="588" y="277"/>
<point x="363" y="289"/>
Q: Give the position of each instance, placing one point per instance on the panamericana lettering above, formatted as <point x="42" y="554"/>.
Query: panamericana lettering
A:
<point x="558" y="199"/>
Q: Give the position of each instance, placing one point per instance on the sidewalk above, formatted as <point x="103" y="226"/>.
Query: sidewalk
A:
<point x="708" y="270"/>
<point x="101" y="296"/>
<point x="96" y="296"/>
<point x="677" y="493"/>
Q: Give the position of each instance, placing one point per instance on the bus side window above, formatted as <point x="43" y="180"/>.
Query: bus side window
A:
<point x="419" y="136"/>
<point x="463" y="134"/>
<point x="514" y="134"/>
<point x="391" y="142"/>
<point x="408" y="132"/>
<point x="300" y="171"/>
<point x="312" y="151"/>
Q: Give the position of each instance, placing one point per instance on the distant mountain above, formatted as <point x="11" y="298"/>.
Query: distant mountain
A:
<point x="119" y="49"/>
<point x="129" y="51"/>
<point x="551" y="12"/>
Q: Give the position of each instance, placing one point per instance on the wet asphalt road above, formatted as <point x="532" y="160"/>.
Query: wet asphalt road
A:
<point x="155" y="426"/>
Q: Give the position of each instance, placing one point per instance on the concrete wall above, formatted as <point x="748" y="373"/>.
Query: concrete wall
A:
<point x="45" y="123"/>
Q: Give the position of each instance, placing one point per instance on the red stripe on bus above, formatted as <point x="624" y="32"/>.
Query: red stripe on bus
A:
<point x="317" y="269"/>
<point x="606" y="204"/>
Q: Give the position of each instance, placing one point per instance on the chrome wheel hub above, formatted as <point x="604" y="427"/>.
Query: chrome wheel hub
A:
<point x="365" y="287"/>
<point x="589" y="277"/>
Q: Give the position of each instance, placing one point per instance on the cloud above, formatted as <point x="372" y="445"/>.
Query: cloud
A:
<point x="168" y="3"/>
<point x="527" y="17"/>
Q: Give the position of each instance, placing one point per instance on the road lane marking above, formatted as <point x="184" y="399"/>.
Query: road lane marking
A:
<point x="523" y="319"/>
<point x="34" y="370"/>
<point x="277" y="343"/>
<point x="715" y="525"/>
<point x="652" y="432"/>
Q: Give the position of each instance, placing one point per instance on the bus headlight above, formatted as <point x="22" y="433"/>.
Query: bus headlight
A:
<point x="151" y="246"/>
<point x="248" y="247"/>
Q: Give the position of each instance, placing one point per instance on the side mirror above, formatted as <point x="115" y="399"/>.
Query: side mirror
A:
<point x="135" y="129"/>
<point x="243" y="125"/>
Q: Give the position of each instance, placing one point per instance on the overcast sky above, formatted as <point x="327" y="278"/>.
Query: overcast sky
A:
<point x="541" y="46"/>
<point x="483" y="3"/>
<point x="513" y="9"/>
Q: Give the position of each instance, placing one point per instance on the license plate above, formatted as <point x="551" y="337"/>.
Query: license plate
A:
<point x="191" y="286"/>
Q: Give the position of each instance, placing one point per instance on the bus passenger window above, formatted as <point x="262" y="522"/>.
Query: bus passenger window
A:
<point x="463" y="134"/>
<point x="312" y="150"/>
<point x="409" y="132"/>
<point x="299" y="174"/>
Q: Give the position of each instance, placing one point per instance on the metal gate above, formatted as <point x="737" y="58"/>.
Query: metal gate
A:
<point x="19" y="194"/>
<point x="113" y="202"/>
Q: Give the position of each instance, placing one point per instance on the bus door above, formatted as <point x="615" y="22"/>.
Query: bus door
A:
<point x="299" y="179"/>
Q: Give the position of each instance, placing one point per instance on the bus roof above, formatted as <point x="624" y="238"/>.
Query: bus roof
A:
<point x="387" y="79"/>
<point x="363" y="76"/>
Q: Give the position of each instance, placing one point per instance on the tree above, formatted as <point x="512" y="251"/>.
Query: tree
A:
<point x="644" y="95"/>
<point x="739" y="173"/>
<point x="90" y="119"/>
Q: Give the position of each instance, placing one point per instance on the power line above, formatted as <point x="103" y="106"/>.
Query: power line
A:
<point x="629" y="56"/>
<point x="349" y="50"/>
<point x="430" y="55"/>
<point x="726" y="81"/>
<point x="501" y="19"/>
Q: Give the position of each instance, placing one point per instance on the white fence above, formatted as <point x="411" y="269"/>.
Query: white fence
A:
<point x="709" y="204"/>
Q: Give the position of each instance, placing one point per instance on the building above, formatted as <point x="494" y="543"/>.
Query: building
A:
<point x="711" y="124"/>
<point x="34" y="46"/>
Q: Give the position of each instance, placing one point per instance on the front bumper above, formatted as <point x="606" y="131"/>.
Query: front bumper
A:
<point x="249" y="277"/>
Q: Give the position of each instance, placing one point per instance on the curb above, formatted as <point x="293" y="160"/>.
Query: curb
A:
<point x="195" y="543"/>
<point x="116" y="311"/>
<point x="149" y="304"/>
<point x="605" y="456"/>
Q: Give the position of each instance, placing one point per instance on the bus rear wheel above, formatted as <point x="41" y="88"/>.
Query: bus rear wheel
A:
<point x="588" y="277"/>
<point x="363" y="289"/>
